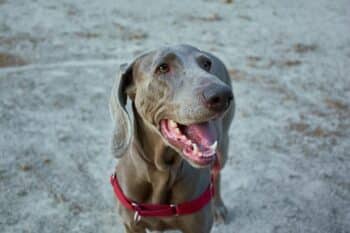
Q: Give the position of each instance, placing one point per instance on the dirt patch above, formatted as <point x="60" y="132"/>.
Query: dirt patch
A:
<point x="2" y="174"/>
<point x="119" y="26"/>
<point x="75" y="208"/>
<point x="318" y="132"/>
<point x="304" y="48"/>
<point x="25" y="167"/>
<point x="299" y="127"/>
<point x="336" y="105"/>
<point x="22" y="193"/>
<point x="237" y="75"/>
<point x="130" y="34"/>
<point x="47" y="161"/>
<point x="340" y="109"/>
<point x="260" y="63"/>
<point x="137" y="35"/>
<point x="11" y="41"/>
<point x="72" y="12"/>
<point x="59" y="197"/>
<point x="254" y="58"/>
<point x="8" y="60"/>
<point x="307" y="130"/>
<point x="87" y="35"/>
<point x="71" y="9"/>
<point x="290" y="63"/>
<point x="209" y="18"/>
<point x="245" y="17"/>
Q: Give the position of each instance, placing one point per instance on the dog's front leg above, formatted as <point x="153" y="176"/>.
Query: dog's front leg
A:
<point x="134" y="229"/>
<point x="220" y="210"/>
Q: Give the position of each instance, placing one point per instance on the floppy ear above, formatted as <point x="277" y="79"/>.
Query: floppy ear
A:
<point x="123" y="130"/>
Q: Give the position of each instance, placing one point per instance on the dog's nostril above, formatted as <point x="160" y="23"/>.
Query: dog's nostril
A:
<point x="230" y="98"/>
<point x="217" y="98"/>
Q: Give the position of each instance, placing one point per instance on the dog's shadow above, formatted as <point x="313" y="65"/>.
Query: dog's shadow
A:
<point x="230" y="215"/>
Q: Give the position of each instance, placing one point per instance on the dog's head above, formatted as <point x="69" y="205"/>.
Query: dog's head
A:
<point x="179" y="92"/>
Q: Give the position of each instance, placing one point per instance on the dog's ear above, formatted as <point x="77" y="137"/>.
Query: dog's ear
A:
<point x="123" y="131"/>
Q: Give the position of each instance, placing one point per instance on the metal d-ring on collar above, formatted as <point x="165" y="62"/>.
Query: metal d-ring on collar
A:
<point x="137" y="216"/>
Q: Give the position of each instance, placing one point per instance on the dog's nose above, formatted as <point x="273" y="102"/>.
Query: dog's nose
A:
<point x="217" y="98"/>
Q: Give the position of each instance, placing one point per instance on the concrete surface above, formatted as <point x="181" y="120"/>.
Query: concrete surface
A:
<point x="289" y="165"/>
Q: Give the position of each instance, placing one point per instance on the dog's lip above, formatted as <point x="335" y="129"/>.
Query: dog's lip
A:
<point x="197" y="141"/>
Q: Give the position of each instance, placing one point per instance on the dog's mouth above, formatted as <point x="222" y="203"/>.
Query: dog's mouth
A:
<point x="197" y="142"/>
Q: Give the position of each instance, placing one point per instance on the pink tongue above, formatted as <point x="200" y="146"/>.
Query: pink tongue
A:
<point x="203" y="134"/>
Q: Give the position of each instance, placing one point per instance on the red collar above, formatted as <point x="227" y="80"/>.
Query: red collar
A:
<point x="167" y="210"/>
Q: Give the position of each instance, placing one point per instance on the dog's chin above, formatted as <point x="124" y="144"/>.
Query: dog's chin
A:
<point x="196" y="142"/>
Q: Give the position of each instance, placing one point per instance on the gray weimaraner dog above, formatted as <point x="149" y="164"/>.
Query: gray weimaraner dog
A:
<point x="182" y="107"/>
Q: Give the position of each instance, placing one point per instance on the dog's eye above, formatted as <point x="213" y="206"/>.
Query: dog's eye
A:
<point x="163" y="68"/>
<point x="206" y="65"/>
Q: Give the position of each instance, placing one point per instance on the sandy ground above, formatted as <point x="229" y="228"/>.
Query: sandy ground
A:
<point x="289" y="165"/>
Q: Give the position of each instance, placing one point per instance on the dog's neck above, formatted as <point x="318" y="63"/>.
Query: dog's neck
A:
<point x="154" y="161"/>
<point x="152" y="148"/>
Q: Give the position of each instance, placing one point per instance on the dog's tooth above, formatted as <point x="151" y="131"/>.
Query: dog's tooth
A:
<point x="195" y="148"/>
<point x="209" y="153"/>
<point x="182" y="137"/>
<point x="188" y="142"/>
<point x="214" y="146"/>
<point x="205" y="154"/>
<point x="177" y="131"/>
<point x="172" y="124"/>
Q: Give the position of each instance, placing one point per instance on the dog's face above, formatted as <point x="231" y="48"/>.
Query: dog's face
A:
<point x="178" y="93"/>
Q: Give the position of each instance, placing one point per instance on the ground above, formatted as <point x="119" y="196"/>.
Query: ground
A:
<point x="289" y="162"/>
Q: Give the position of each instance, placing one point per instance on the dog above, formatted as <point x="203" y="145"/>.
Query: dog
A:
<point x="170" y="141"/>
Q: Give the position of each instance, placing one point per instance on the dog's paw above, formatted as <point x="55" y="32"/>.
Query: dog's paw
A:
<point x="220" y="212"/>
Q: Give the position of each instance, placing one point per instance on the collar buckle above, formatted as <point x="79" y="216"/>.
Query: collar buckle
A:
<point x="175" y="209"/>
<point x="137" y="216"/>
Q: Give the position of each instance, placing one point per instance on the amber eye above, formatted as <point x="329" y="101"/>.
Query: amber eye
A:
<point x="163" y="68"/>
<point x="207" y="65"/>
